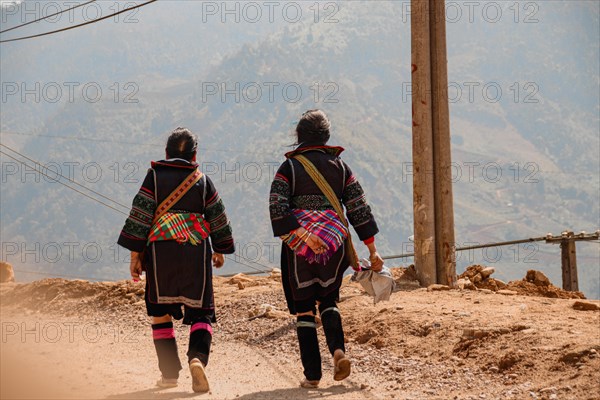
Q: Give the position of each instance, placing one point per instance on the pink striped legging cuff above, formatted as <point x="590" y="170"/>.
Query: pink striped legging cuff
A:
<point x="201" y="325"/>
<point x="164" y="333"/>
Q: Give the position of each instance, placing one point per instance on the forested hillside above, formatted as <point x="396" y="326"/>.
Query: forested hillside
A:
<point x="97" y="103"/>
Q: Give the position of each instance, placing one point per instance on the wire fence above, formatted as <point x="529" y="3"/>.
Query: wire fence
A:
<point x="548" y="239"/>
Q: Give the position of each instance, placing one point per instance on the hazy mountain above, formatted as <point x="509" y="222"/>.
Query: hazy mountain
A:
<point x="524" y="119"/>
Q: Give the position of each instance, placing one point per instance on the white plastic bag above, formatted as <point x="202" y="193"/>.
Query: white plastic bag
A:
<point x="380" y="285"/>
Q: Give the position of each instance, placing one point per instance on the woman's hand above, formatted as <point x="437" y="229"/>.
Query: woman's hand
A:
<point x="218" y="260"/>
<point x="135" y="265"/>
<point x="316" y="244"/>
<point x="376" y="262"/>
<point x="374" y="257"/>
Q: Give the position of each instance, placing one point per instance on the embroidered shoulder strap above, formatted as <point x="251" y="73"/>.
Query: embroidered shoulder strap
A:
<point x="177" y="194"/>
<point x="325" y="187"/>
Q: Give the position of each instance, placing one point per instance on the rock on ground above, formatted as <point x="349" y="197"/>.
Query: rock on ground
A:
<point x="7" y="273"/>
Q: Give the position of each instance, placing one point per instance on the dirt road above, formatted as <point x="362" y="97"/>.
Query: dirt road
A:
<point x="78" y="339"/>
<point x="59" y="358"/>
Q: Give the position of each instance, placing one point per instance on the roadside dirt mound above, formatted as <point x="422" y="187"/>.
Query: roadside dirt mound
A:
<point x="535" y="283"/>
<point x="531" y="289"/>
<point x="405" y="278"/>
<point x="73" y="297"/>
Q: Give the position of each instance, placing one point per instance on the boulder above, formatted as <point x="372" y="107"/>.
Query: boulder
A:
<point x="489" y="283"/>
<point x="260" y="311"/>
<point x="437" y="287"/>
<point x="500" y="284"/>
<point x="266" y="311"/>
<point x="465" y="283"/>
<point x="486" y="272"/>
<point x="7" y="273"/>
<point x="508" y="360"/>
<point x="239" y="278"/>
<point x="537" y="278"/>
<point x="242" y="281"/>
<point x="275" y="274"/>
<point x="471" y="271"/>
<point x="585" y="306"/>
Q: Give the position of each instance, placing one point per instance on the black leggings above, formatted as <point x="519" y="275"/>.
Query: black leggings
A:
<point x="166" y="345"/>
<point x="307" y="305"/>
<point x="307" y="333"/>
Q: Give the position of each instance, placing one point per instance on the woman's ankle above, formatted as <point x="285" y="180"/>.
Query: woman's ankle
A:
<point x="196" y="360"/>
<point x="338" y="354"/>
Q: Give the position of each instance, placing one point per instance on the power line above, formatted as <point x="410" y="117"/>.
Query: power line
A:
<point x="266" y="268"/>
<point x="250" y="266"/>
<point x="67" y="178"/>
<point x="78" y="25"/>
<point x="64" y="184"/>
<point x="48" y="16"/>
<point x="66" y="137"/>
<point x="82" y="138"/>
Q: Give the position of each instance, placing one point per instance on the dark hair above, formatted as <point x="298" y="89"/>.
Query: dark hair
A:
<point x="313" y="127"/>
<point x="182" y="143"/>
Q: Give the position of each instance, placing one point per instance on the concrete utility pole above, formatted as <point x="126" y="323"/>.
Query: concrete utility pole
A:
<point x="432" y="183"/>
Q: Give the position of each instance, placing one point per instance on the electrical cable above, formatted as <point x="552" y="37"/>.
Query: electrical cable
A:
<point x="250" y="266"/>
<point x="64" y="184"/>
<point x="67" y="178"/>
<point x="65" y="137"/>
<point x="245" y="263"/>
<point x="78" y="25"/>
<point x="82" y="138"/>
<point x="47" y="16"/>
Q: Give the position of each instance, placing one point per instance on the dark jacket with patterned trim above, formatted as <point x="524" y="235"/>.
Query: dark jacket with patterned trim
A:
<point x="178" y="272"/>
<point x="293" y="188"/>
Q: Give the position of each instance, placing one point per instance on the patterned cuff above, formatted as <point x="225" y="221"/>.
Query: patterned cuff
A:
<point x="369" y="240"/>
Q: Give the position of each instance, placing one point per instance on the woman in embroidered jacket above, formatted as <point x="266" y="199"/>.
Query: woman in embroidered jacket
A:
<point x="313" y="256"/>
<point x="172" y="227"/>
